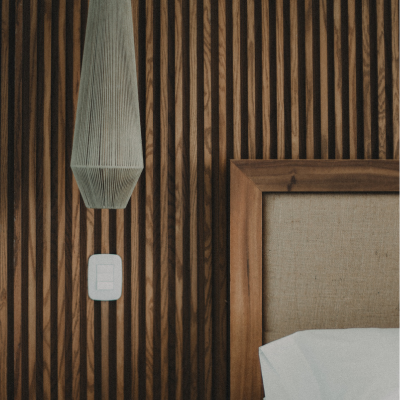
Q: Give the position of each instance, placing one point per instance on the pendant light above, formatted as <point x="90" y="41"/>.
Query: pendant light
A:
<point x="107" y="155"/>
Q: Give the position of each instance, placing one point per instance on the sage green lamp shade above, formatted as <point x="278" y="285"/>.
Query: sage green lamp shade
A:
<point x="107" y="154"/>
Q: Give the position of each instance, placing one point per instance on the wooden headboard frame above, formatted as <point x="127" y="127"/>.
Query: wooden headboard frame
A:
<point x="249" y="180"/>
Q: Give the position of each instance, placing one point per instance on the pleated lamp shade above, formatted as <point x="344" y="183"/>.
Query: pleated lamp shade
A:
<point x="107" y="155"/>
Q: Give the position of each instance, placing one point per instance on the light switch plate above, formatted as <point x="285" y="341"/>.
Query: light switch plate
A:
<point x="105" y="277"/>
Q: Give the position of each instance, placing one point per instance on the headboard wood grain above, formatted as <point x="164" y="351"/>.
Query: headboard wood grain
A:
<point x="249" y="180"/>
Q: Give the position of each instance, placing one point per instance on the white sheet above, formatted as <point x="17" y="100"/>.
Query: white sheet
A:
<point x="332" y="364"/>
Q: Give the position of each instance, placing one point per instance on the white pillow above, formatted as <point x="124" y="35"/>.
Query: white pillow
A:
<point x="332" y="364"/>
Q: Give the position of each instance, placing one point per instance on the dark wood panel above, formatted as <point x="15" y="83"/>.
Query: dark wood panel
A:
<point x="17" y="277"/>
<point x="149" y="175"/>
<point x="265" y="81"/>
<point x="294" y="83"/>
<point x="323" y="42"/>
<point x="32" y="309"/>
<point x="215" y="82"/>
<point x="193" y="151"/>
<point x="251" y="82"/>
<point x="207" y="228"/>
<point x="309" y="80"/>
<point x="352" y="80"/>
<point x="164" y="186"/>
<point x="78" y="347"/>
<point x="280" y="69"/>
<point x="4" y="206"/>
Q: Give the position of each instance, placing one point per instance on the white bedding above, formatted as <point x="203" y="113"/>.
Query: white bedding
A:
<point x="332" y="364"/>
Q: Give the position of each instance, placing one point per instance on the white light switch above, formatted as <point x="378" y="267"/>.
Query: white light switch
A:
<point x="105" y="277"/>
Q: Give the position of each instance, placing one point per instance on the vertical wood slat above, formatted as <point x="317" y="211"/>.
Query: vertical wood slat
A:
<point x="280" y="77"/>
<point x="352" y="80"/>
<point x="395" y="76"/>
<point x="237" y="136"/>
<point x="178" y="201"/>
<point x="164" y="196"/>
<point x="193" y="146"/>
<point x="214" y="311"/>
<point x="207" y="200"/>
<point x="134" y="250"/>
<point x="47" y="201"/>
<point x="134" y="323"/>
<point x="90" y="310"/>
<point x="323" y="28"/>
<point x="61" y="90"/>
<point x="338" y="81"/>
<point x="17" y="198"/>
<point x="220" y="283"/>
<point x="32" y="199"/>
<point x="105" y="311"/>
<point x="149" y="201"/>
<point x="366" y="79"/>
<point x="4" y="106"/>
<point x="266" y="80"/>
<point x="76" y="238"/>
<point x="309" y="80"/>
<point x="294" y="76"/>
<point x="381" y="79"/>
<point x="120" y="308"/>
<point x="251" y="82"/>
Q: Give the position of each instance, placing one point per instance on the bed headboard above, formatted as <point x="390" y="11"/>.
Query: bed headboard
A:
<point x="308" y="260"/>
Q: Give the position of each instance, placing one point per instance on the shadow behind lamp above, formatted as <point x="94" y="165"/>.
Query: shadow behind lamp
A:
<point x="107" y="155"/>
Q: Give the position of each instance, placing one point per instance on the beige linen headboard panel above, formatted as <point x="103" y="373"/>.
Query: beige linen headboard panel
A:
<point x="311" y="299"/>
<point x="330" y="261"/>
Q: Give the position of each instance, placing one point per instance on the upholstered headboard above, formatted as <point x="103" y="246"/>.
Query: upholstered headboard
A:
<point x="314" y="245"/>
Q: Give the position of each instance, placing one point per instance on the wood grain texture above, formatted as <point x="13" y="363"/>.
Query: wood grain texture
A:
<point x="280" y="104"/>
<point x="338" y="81"/>
<point x="47" y="201"/>
<point x="323" y="51"/>
<point x="4" y="126"/>
<point x="245" y="249"/>
<point x="395" y="76"/>
<point x="32" y="199"/>
<point x="149" y="201"/>
<point x="251" y="81"/>
<point x="90" y="310"/>
<point x="381" y="79"/>
<point x="237" y="135"/>
<point x="134" y="245"/>
<point x="170" y="336"/>
<point x="366" y="79"/>
<point x="266" y="81"/>
<point x="352" y="80"/>
<point x="17" y="199"/>
<point x="207" y="234"/>
<point x="120" y="238"/>
<point x="179" y="211"/>
<point x="309" y="80"/>
<point x="294" y="76"/>
<point x="193" y="145"/>
<point x="322" y="175"/>
<point x="134" y="325"/>
<point x="220" y="279"/>
<point x="61" y="212"/>
<point x="164" y="164"/>
<point x="76" y="237"/>
<point x="105" y="312"/>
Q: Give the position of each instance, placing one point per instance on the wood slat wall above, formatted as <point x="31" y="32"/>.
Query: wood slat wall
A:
<point x="217" y="80"/>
